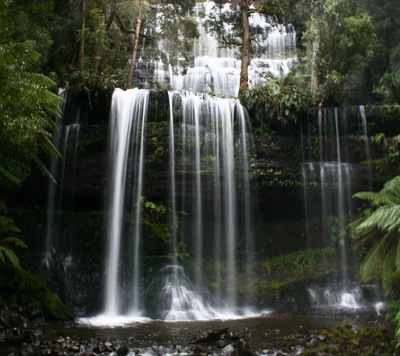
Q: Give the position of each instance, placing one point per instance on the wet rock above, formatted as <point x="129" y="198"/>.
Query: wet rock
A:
<point x="244" y="349"/>
<point x="5" y="335"/>
<point x="313" y="341"/>
<point x="123" y="351"/>
<point x="212" y="336"/>
<point x="27" y="351"/>
<point x="73" y="348"/>
<point x="98" y="350"/>
<point x="228" y="350"/>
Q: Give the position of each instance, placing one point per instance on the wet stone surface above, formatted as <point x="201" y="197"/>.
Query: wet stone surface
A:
<point x="272" y="335"/>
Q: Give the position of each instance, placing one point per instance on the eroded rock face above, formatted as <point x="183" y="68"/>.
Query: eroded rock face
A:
<point x="276" y="178"/>
<point x="275" y="156"/>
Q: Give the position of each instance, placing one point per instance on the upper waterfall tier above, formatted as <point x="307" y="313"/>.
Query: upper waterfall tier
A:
<point x="215" y="68"/>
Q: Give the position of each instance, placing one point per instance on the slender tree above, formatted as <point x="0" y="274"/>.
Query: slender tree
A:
<point x="135" y="46"/>
<point x="82" y="46"/>
<point x="244" y="69"/>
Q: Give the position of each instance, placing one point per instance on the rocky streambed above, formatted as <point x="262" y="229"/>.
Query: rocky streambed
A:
<point x="265" y="335"/>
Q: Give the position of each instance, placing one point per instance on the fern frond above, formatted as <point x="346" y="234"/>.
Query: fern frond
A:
<point x="386" y="218"/>
<point x="374" y="258"/>
<point x="380" y="198"/>
<point x="397" y="260"/>
<point x="8" y="177"/>
<point x="5" y="224"/>
<point x="387" y="272"/>
<point x="393" y="185"/>
<point x="352" y="226"/>
<point x="10" y="255"/>
<point x="48" y="148"/>
<point x="43" y="168"/>
<point x="395" y="304"/>
<point x="389" y="194"/>
<point x="15" y="241"/>
<point x="23" y="53"/>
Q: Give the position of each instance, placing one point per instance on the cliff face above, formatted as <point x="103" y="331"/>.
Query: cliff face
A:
<point x="277" y="157"/>
<point x="286" y="187"/>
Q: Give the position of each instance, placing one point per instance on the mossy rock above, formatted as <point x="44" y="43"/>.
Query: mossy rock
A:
<point x="21" y="289"/>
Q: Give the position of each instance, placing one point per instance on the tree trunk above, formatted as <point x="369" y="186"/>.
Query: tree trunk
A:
<point x="315" y="47"/>
<point x="112" y="14"/>
<point x="135" y="47"/>
<point x="244" y="70"/>
<point x="82" y="49"/>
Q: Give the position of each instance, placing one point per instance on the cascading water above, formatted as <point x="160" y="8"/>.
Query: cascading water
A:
<point x="364" y="136"/>
<point x="207" y="165"/>
<point x="328" y="190"/>
<point x="216" y="69"/>
<point x="66" y="142"/>
<point x="128" y="118"/>
<point x="208" y="179"/>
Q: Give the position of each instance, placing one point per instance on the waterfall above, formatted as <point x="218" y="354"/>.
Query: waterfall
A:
<point x="66" y="142"/>
<point x="128" y="117"/>
<point x="207" y="179"/>
<point x="208" y="173"/>
<point x="215" y="69"/>
<point x="330" y="182"/>
<point x="364" y="136"/>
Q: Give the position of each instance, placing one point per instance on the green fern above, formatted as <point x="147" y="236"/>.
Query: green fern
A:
<point x="8" y="240"/>
<point x="8" y="254"/>
<point x="384" y="224"/>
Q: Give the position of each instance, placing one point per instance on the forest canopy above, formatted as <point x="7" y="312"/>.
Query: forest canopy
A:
<point x="347" y="54"/>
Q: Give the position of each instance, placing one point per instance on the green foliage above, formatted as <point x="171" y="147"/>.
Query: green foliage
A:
<point x="343" y="37"/>
<point x="389" y="146"/>
<point x="381" y="229"/>
<point x="385" y="16"/>
<point x="154" y="208"/>
<point x="282" y="98"/>
<point x="394" y="315"/>
<point x="302" y="260"/>
<point x="26" y="110"/>
<point x="21" y="289"/>
<point x="24" y="20"/>
<point x="8" y="239"/>
<point x="389" y="88"/>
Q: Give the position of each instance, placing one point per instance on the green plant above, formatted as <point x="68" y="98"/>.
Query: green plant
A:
<point x="381" y="230"/>
<point x="394" y="314"/>
<point x="27" y="107"/>
<point x="282" y="98"/>
<point x="389" y="88"/>
<point x="8" y="240"/>
<point x="158" y="207"/>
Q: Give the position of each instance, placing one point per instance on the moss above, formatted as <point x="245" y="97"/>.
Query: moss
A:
<point x="20" y="288"/>
<point x="277" y="285"/>
<point x="354" y="342"/>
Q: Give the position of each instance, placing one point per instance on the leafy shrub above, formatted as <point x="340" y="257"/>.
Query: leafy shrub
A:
<point x="389" y="88"/>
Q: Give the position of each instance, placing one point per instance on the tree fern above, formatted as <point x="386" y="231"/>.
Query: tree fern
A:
<point x="382" y="198"/>
<point x="383" y="224"/>
<point x="374" y="258"/>
<point x="8" y="254"/>
<point x="386" y="218"/>
<point x="387" y="272"/>
<point x="9" y="239"/>
<point x="397" y="257"/>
